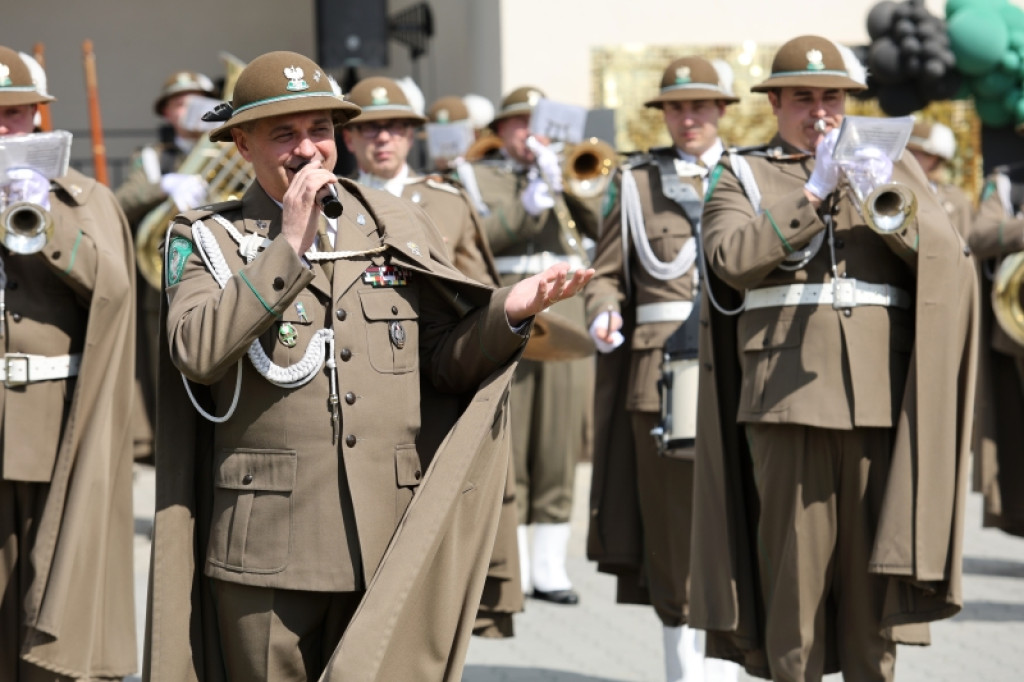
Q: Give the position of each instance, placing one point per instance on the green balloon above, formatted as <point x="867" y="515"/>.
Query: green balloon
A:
<point x="992" y="112"/>
<point x="1013" y="17"/>
<point x="978" y="38"/>
<point x="1010" y="61"/>
<point x="954" y="6"/>
<point x="993" y="85"/>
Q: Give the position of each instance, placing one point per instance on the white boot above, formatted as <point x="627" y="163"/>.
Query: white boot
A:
<point x="683" y="660"/>
<point x="523" y="539"/>
<point x="550" y="545"/>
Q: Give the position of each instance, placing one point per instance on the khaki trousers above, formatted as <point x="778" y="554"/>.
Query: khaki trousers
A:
<point x="665" y="490"/>
<point x="820" y="493"/>
<point x="279" y="635"/>
<point x="548" y="403"/>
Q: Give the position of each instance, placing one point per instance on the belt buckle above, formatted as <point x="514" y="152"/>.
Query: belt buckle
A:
<point x="844" y="293"/>
<point x="10" y="361"/>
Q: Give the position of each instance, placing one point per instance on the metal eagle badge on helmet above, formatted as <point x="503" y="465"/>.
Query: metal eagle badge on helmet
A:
<point x="295" y="81"/>
<point x="815" y="60"/>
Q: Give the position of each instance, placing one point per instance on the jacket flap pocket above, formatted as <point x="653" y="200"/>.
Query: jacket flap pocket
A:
<point x="408" y="470"/>
<point x="388" y="304"/>
<point x="775" y="333"/>
<point x="272" y="470"/>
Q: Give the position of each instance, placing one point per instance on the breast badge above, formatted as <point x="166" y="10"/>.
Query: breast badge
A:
<point x="287" y="335"/>
<point x="382" y="276"/>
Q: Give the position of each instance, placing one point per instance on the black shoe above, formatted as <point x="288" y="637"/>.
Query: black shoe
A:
<point x="567" y="597"/>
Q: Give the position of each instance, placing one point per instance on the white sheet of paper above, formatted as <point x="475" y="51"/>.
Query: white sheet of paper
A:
<point x="558" y="121"/>
<point x="48" y="153"/>
<point x="889" y="135"/>
<point x="449" y="140"/>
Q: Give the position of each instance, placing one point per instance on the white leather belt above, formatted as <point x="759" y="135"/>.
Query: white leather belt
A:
<point x="843" y="293"/>
<point x="18" y="369"/>
<point x="667" y="311"/>
<point x="535" y="263"/>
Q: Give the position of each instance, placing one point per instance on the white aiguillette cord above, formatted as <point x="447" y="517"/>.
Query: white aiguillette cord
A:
<point x="321" y="345"/>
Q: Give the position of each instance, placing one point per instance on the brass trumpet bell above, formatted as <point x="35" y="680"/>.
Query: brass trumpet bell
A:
<point x="588" y="167"/>
<point x="889" y="207"/>
<point x="1006" y="296"/>
<point x="25" y="227"/>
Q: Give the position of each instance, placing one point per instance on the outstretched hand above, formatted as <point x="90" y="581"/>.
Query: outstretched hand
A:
<point x="534" y="294"/>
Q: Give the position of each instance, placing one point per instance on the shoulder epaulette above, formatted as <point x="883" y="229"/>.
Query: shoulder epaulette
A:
<point x="203" y="212"/>
<point x="437" y="182"/>
<point x="768" y="152"/>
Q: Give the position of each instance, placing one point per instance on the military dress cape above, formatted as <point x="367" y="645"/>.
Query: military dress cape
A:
<point x="417" y="615"/>
<point x="998" y="466"/>
<point x="452" y="212"/>
<point x="80" y="605"/>
<point x="627" y="378"/>
<point x="919" y="535"/>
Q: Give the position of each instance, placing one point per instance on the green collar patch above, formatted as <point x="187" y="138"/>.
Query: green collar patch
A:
<point x="177" y="255"/>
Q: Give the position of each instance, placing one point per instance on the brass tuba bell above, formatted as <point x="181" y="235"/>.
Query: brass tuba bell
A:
<point x="1006" y="296"/>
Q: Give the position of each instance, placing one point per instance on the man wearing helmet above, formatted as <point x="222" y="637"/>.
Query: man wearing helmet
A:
<point x="305" y="492"/>
<point x="834" y="420"/>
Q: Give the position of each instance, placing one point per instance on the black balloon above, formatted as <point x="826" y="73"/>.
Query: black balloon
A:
<point x="903" y="28"/>
<point x="900" y="100"/>
<point x="880" y="19"/>
<point x="910" y="45"/>
<point x="884" y="61"/>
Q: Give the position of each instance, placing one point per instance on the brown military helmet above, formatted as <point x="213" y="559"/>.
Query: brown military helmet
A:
<point x="691" y="78"/>
<point x="448" y="110"/>
<point x="517" y="103"/>
<point x="16" y="84"/>
<point x="933" y="138"/>
<point x="809" y="61"/>
<point x="280" y="83"/>
<point x="183" y="82"/>
<point x="381" y="98"/>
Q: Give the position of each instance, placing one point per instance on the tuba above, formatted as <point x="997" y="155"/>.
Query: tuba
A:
<point x="1006" y="296"/>
<point x="226" y="175"/>
<point x="588" y="167"/>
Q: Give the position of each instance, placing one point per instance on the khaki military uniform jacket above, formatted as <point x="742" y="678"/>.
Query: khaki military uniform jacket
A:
<point x="76" y="297"/>
<point x="925" y="362"/>
<point x="256" y="494"/>
<point x="450" y="210"/>
<point x="998" y="467"/>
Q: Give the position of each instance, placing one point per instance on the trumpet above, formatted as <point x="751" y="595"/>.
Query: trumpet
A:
<point x="25" y="227"/>
<point x="1006" y="296"/>
<point x="588" y="167"/>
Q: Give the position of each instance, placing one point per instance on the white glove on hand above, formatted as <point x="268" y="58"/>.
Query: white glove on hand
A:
<point x="826" y="170"/>
<point x="873" y="163"/>
<point x="537" y="197"/>
<point x="26" y="184"/>
<point x="187" y="191"/>
<point x="547" y="162"/>
<point x="601" y="322"/>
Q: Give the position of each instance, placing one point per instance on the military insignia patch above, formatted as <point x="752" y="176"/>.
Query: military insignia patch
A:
<point x="177" y="254"/>
<point x="379" y="96"/>
<point x="5" y="76"/>
<point x="815" y="60"/>
<point x="683" y="75"/>
<point x="414" y="247"/>
<point x="443" y="116"/>
<point x="287" y="335"/>
<point x="295" y="81"/>
<point x="383" y="276"/>
<point x="533" y="97"/>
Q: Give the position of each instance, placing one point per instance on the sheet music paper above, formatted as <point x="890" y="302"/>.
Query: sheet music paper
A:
<point x="889" y="135"/>
<point x="47" y="153"/>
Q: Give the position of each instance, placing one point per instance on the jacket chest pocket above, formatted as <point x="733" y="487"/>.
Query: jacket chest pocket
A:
<point x="392" y="329"/>
<point x="252" y="510"/>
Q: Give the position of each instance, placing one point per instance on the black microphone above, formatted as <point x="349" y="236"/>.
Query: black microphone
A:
<point x="330" y="204"/>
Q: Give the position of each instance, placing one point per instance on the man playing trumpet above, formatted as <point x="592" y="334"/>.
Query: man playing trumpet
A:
<point x="834" y="408"/>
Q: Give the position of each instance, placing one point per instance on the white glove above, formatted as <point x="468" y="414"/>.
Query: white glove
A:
<point x="187" y="191"/>
<point x="537" y="197"/>
<point x="602" y="321"/>
<point x="547" y="162"/>
<point x="27" y="184"/>
<point x="826" y="170"/>
<point x="871" y="162"/>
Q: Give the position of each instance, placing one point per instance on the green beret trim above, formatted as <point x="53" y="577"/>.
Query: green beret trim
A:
<point x="785" y="244"/>
<point x="74" y="252"/>
<point x="266" y="306"/>
<point x="281" y="98"/>
<point x="713" y="181"/>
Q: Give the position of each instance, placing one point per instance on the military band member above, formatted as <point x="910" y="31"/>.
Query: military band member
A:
<point x="154" y="177"/>
<point x="834" y="413"/>
<point x="380" y="139"/>
<point x="646" y="265"/>
<point x="67" y="332"/>
<point x="997" y="234"/>
<point x="531" y="223"/>
<point x="934" y="146"/>
<point x="298" y="498"/>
